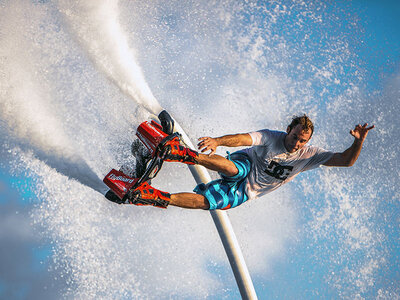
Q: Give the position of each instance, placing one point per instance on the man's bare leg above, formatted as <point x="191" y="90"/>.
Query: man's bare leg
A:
<point x="196" y="201"/>
<point x="213" y="162"/>
<point x="217" y="163"/>
<point x="178" y="153"/>
<point x="189" y="200"/>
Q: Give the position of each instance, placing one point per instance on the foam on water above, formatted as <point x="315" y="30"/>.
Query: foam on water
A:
<point x="219" y="67"/>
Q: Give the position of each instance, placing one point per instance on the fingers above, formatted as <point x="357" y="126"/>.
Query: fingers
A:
<point x="363" y="127"/>
<point x="360" y="132"/>
<point x="212" y="150"/>
<point x="207" y="144"/>
<point x="202" y="142"/>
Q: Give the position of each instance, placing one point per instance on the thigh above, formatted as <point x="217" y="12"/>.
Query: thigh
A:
<point x="243" y="165"/>
<point x="221" y="194"/>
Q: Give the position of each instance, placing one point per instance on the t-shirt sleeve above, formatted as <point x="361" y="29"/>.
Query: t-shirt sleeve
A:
<point x="262" y="137"/>
<point x="318" y="156"/>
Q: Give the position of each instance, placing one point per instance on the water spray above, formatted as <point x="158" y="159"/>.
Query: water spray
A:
<point x="98" y="29"/>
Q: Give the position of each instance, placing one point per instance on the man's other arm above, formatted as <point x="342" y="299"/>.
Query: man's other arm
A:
<point x="348" y="157"/>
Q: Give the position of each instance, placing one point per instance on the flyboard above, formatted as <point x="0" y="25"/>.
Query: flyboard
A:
<point x="148" y="151"/>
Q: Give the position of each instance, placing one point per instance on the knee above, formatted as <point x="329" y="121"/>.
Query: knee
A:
<point x="200" y="202"/>
<point x="231" y="170"/>
<point x="205" y="205"/>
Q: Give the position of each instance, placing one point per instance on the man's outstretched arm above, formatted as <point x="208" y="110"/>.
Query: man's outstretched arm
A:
<point x="350" y="155"/>
<point x="234" y="140"/>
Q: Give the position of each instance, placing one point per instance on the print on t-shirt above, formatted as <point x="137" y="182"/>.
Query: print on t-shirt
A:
<point x="278" y="171"/>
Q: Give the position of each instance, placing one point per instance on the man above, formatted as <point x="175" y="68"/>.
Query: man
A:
<point x="273" y="159"/>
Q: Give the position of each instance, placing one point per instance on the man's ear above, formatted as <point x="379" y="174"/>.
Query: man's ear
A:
<point x="288" y="129"/>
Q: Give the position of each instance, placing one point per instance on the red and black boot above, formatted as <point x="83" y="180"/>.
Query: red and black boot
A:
<point x="173" y="151"/>
<point x="145" y="194"/>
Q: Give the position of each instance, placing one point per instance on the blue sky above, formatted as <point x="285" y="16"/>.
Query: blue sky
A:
<point x="381" y="43"/>
<point x="27" y="253"/>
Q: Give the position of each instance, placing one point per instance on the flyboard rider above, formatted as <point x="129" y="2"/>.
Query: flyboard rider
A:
<point x="272" y="159"/>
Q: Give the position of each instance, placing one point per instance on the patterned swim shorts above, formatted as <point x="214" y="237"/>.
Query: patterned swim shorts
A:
<point x="229" y="191"/>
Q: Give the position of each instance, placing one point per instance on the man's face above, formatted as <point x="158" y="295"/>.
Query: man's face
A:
<point x="296" y="138"/>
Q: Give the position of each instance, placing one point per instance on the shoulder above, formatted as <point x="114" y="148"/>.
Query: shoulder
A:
<point x="268" y="133"/>
<point x="313" y="157"/>
<point x="265" y="136"/>
<point x="310" y="150"/>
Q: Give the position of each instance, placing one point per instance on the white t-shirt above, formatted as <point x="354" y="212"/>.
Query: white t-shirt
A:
<point x="273" y="165"/>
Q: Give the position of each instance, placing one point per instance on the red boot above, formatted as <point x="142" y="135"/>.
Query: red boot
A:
<point x="175" y="152"/>
<point x="145" y="194"/>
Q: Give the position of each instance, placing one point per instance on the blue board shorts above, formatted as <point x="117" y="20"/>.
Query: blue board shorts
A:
<point x="229" y="191"/>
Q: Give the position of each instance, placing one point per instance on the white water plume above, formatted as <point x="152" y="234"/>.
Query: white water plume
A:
<point x="97" y="27"/>
<point x="28" y="111"/>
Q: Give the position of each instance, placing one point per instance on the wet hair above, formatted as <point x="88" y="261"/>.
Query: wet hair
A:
<point x="304" y="121"/>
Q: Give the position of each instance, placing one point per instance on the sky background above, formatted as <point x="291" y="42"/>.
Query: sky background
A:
<point x="76" y="80"/>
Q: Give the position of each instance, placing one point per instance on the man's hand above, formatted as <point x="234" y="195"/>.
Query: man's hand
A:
<point x="361" y="132"/>
<point x="231" y="140"/>
<point x="207" y="144"/>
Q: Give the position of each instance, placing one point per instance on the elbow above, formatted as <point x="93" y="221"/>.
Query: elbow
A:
<point x="344" y="163"/>
<point x="350" y="163"/>
<point x="349" y="160"/>
<point x="340" y="160"/>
